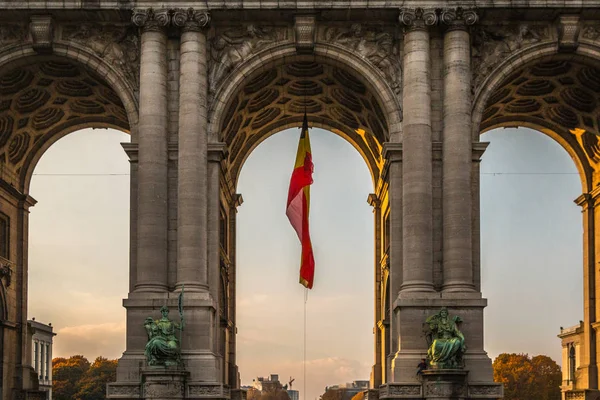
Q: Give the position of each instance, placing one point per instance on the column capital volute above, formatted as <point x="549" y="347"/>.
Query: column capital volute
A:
<point x="151" y="20"/>
<point x="216" y="151"/>
<point x="191" y="20"/>
<point x="458" y="18"/>
<point x="418" y="18"/>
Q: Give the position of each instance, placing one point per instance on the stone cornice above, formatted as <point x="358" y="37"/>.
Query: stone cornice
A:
<point x="478" y="148"/>
<point x="216" y="151"/>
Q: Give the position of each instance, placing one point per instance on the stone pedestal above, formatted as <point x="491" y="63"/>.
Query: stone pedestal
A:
<point x="445" y="384"/>
<point x="442" y="384"/>
<point x="166" y="383"/>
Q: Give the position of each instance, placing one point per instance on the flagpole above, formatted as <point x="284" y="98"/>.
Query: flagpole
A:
<point x="304" y="362"/>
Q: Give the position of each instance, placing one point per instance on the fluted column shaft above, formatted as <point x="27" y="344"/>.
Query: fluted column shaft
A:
<point x="457" y="157"/>
<point x="417" y="264"/>
<point x="152" y="164"/>
<point x="192" y="268"/>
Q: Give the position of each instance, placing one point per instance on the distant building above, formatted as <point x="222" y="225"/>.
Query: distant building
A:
<point x="271" y="384"/>
<point x="571" y="341"/>
<point x="41" y="342"/>
<point x="349" y="390"/>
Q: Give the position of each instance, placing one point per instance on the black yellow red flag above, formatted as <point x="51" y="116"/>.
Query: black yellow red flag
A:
<point x="298" y="204"/>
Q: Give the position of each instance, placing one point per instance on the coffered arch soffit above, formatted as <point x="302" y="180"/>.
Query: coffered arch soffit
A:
<point x="555" y="93"/>
<point x="43" y="98"/>
<point x="271" y="90"/>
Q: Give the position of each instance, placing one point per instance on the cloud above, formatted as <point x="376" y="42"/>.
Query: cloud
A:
<point x="107" y="340"/>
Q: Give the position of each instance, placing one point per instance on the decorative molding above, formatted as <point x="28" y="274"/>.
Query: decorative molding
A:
<point x="119" y="390"/>
<point x="191" y="20"/>
<point x="216" y="151"/>
<point x="41" y="28"/>
<point x="305" y="28"/>
<point x="399" y="390"/>
<point x="162" y="389"/>
<point x="568" y="33"/>
<point x="485" y="391"/>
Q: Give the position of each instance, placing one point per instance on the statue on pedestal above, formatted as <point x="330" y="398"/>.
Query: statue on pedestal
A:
<point x="163" y="347"/>
<point x="446" y="342"/>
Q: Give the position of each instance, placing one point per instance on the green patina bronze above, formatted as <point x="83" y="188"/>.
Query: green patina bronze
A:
<point x="163" y="347"/>
<point x="446" y="342"/>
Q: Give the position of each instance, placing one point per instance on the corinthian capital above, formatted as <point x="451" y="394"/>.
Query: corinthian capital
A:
<point x="417" y="18"/>
<point x="458" y="18"/>
<point x="151" y="20"/>
<point x="190" y="19"/>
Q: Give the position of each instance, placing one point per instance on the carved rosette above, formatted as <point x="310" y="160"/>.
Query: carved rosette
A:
<point x="150" y="20"/>
<point x="191" y="20"/>
<point x="418" y="18"/>
<point x="458" y="18"/>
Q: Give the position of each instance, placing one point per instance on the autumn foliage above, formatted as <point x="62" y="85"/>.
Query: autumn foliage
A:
<point x="526" y="378"/>
<point x="74" y="378"/>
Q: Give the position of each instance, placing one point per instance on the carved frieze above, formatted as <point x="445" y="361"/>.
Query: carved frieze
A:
<point x="230" y="47"/>
<point x="444" y="389"/>
<point x="211" y="391"/>
<point x="159" y="390"/>
<point x="374" y="43"/>
<point x="11" y="33"/>
<point x="485" y="390"/>
<point x="118" y="46"/>
<point x="123" y="390"/>
<point x="494" y="43"/>
<point x="399" y="390"/>
<point x="591" y="32"/>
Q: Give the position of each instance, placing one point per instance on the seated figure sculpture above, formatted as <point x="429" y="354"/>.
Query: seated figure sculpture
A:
<point x="447" y="343"/>
<point x="163" y="346"/>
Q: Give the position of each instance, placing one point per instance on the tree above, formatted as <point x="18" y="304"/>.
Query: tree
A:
<point x="66" y="374"/>
<point x="92" y="386"/>
<point x="527" y="378"/>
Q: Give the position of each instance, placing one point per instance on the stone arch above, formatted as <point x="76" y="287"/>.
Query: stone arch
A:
<point x="56" y="94"/>
<point x="315" y="81"/>
<point x="554" y="93"/>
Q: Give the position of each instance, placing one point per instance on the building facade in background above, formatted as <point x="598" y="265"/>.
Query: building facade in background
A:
<point x="41" y="351"/>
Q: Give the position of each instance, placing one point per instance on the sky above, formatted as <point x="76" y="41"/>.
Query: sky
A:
<point x="531" y="253"/>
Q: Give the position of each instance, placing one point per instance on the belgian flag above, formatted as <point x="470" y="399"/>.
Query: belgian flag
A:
<point x="298" y="204"/>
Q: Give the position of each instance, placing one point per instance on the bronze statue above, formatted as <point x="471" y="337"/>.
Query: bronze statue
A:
<point x="163" y="347"/>
<point x="447" y="343"/>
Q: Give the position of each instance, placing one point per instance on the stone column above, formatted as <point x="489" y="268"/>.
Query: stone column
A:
<point x="215" y="155"/>
<point x="376" y="371"/>
<point x="192" y="159"/>
<point x="588" y="370"/>
<point x="417" y="262"/>
<point x="152" y="147"/>
<point x="456" y="151"/>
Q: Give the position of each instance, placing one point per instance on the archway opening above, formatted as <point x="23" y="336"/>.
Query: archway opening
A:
<point x="558" y="97"/>
<point x="267" y="101"/>
<point x="43" y="99"/>
<point x="531" y="242"/>
<point x="339" y="330"/>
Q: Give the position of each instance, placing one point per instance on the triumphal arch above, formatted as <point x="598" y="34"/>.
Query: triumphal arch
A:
<point x="199" y="84"/>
